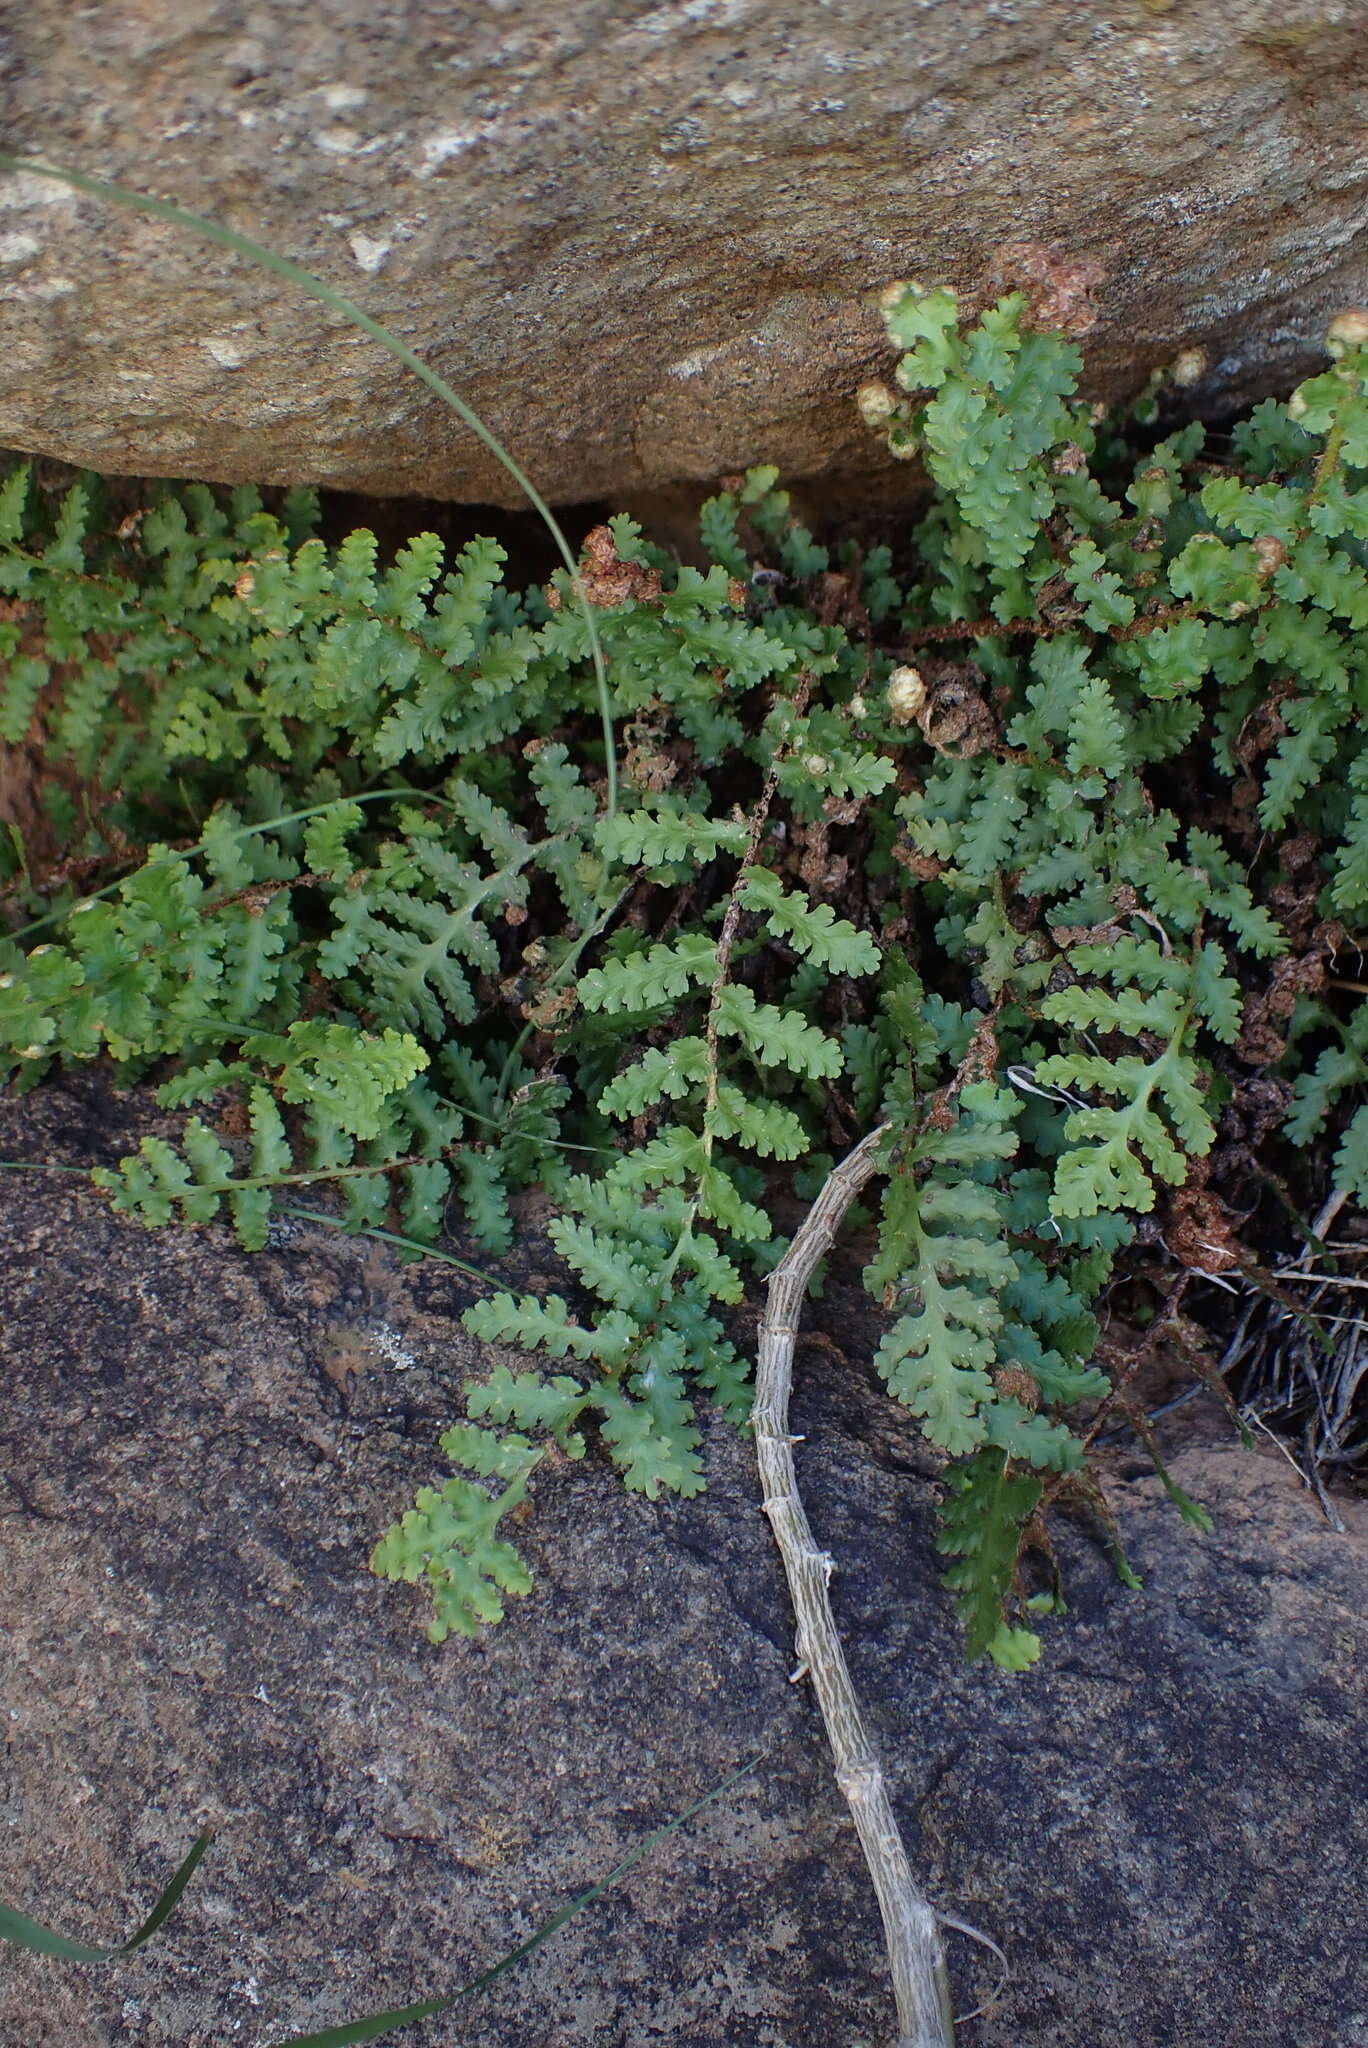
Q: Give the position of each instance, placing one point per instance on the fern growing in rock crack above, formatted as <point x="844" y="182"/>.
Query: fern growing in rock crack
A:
<point x="1038" y="855"/>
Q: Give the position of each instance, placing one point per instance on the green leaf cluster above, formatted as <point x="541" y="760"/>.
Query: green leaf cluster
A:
<point x="1033" y="852"/>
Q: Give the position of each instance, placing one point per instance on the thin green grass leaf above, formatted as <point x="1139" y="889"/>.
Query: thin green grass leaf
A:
<point x="41" y="1941"/>
<point x="395" y="1237"/>
<point x="350" y="2033"/>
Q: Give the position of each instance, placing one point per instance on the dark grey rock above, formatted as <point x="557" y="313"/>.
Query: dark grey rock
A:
<point x="644" y="240"/>
<point x="1164" y="1824"/>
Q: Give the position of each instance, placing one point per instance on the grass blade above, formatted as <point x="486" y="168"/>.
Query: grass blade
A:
<point x="350" y="2033"/>
<point x="41" y="1941"/>
<point x="408" y="1244"/>
<point x="30" y="1934"/>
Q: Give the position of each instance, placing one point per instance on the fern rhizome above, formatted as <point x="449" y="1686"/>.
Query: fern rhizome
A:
<point x="1045" y="852"/>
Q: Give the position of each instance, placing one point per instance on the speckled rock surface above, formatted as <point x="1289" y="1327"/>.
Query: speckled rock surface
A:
<point x="1164" y="1825"/>
<point x="643" y="237"/>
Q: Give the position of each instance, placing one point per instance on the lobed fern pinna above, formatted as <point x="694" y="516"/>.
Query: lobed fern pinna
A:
<point x="1036" y="845"/>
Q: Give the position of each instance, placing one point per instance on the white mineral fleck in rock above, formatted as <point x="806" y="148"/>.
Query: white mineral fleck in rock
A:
<point x="370" y="251"/>
<point x="226" y="352"/>
<point x="438" y="148"/>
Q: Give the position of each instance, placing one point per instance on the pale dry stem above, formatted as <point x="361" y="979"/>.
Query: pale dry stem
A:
<point x="915" y="1955"/>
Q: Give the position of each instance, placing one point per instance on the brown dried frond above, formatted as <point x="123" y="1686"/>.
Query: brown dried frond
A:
<point x="606" y="579"/>
<point x="1199" y="1233"/>
<point x="954" y="716"/>
<point x="924" y="866"/>
<point x="1018" y="1385"/>
<point x="1302" y="973"/>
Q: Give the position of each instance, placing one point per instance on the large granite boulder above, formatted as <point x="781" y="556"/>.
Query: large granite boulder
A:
<point x="1164" y="1824"/>
<point x="645" y="240"/>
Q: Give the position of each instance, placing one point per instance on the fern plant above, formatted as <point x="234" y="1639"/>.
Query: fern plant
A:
<point x="1036" y="844"/>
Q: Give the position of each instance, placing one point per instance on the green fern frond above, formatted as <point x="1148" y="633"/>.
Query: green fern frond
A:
<point x="158" y="1182"/>
<point x="646" y="981"/>
<point x="448" y="1541"/>
<point x="987" y="1507"/>
<point x="814" y="929"/>
<point x="992" y="852"/>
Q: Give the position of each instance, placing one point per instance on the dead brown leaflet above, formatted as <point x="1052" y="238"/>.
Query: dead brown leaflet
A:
<point x="1296" y="975"/>
<point x="1199" y="1233"/>
<point x="606" y="579"/>
<point x="951" y="711"/>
